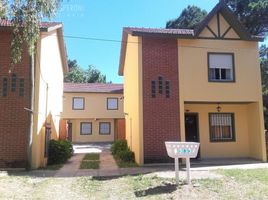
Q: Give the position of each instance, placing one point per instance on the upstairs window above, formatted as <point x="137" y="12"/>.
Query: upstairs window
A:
<point x="160" y="84"/>
<point x="21" y="87"/>
<point x="13" y="82"/>
<point x="4" y="87"/>
<point x="112" y="103"/>
<point x="221" y="67"/>
<point x="78" y="103"/>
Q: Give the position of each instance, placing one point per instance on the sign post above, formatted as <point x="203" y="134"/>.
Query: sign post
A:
<point x="185" y="150"/>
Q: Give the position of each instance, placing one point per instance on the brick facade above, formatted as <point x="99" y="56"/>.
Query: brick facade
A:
<point x="14" y="119"/>
<point x="160" y="114"/>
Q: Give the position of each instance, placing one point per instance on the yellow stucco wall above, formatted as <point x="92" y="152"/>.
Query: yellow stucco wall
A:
<point x="133" y="97"/>
<point x="48" y="94"/>
<point x="193" y="68"/>
<point x="95" y="136"/>
<point x="95" y="106"/>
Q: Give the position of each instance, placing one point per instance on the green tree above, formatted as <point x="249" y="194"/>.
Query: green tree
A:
<point x="27" y="14"/>
<point x="78" y="75"/>
<point x="188" y="19"/>
<point x="264" y="74"/>
<point x="253" y="14"/>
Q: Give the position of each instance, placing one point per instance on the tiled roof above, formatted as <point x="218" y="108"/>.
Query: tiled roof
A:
<point x="43" y="25"/>
<point x="135" y="30"/>
<point x="93" y="88"/>
<point x="162" y="30"/>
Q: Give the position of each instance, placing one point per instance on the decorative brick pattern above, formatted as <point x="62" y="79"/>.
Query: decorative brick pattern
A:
<point x="160" y="114"/>
<point x="14" y="120"/>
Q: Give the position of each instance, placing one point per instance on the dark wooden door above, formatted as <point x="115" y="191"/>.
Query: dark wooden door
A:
<point x="70" y="131"/>
<point x="191" y="128"/>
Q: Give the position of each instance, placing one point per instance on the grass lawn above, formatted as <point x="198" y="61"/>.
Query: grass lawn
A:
<point x="122" y="164"/>
<point x="90" y="161"/>
<point x="53" y="167"/>
<point x="234" y="184"/>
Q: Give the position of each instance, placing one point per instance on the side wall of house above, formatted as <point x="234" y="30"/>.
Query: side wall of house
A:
<point x="14" y="123"/>
<point x="48" y="94"/>
<point x="133" y="97"/>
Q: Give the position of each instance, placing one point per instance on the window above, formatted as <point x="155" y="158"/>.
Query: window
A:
<point x="221" y="67"/>
<point x="221" y="127"/>
<point x="112" y="103"/>
<point x="105" y="128"/>
<point x="4" y="87"/>
<point x="21" y="87"/>
<point x="167" y="89"/>
<point x="153" y="89"/>
<point x="85" y="128"/>
<point x="160" y="84"/>
<point x="13" y="82"/>
<point x="78" y="103"/>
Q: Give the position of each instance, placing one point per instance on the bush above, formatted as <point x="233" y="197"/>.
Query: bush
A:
<point x="59" y="151"/>
<point x="126" y="155"/>
<point x="118" y="146"/>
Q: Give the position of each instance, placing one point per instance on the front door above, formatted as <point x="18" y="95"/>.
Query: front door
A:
<point x="70" y="132"/>
<point x="191" y="128"/>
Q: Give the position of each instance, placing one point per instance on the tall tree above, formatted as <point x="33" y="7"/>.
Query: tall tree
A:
<point x="188" y="19"/>
<point x="253" y="14"/>
<point x="27" y="14"/>
<point x="78" y="75"/>
<point x="264" y="73"/>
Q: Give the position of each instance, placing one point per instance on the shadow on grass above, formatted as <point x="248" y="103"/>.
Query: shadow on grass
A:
<point x="167" y="188"/>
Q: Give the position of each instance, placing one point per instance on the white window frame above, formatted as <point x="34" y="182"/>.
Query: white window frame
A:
<point x="100" y="128"/>
<point x="225" y="62"/>
<point x="76" y="107"/>
<point x="111" y="106"/>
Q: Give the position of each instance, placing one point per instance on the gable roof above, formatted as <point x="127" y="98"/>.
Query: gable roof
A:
<point x="93" y="88"/>
<point x="221" y="7"/>
<point x="44" y="26"/>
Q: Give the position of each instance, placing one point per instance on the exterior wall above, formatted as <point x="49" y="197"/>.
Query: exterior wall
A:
<point x="95" y="106"/>
<point x="194" y="72"/>
<point x="239" y="148"/>
<point x="133" y="97"/>
<point x="48" y="94"/>
<point x="160" y="114"/>
<point x="14" y="123"/>
<point x="95" y="137"/>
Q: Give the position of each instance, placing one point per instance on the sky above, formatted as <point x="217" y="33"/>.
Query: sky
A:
<point x="103" y="20"/>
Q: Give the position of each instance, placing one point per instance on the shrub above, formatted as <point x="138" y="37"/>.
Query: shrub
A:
<point x="126" y="155"/>
<point x="59" y="151"/>
<point x="119" y="145"/>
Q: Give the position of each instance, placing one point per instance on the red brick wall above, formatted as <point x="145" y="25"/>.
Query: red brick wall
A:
<point x="13" y="118"/>
<point x="160" y="114"/>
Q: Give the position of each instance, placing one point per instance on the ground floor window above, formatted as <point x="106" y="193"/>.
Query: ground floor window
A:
<point x="86" y="128"/>
<point x="105" y="128"/>
<point x="221" y="127"/>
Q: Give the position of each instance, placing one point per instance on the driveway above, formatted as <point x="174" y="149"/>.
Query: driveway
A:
<point x="91" y="148"/>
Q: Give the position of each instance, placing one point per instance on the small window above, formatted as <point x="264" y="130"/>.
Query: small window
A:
<point x="167" y="89"/>
<point x="160" y="84"/>
<point x="112" y="103"/>
<point x="78" y="103"/>
<point x="13" y="82"/>
<point x="105" y="128"/>
<point x="153" y="89"/>
<point x="85" y="128"/>
<point x="221" y="67"/>
<point x="4" y="87"/>
<point x="21" y="87"/>
<point x="221" y="127"/>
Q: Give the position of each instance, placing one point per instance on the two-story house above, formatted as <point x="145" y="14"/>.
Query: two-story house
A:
<point x="93" y="112"/>
<point x="23" y="142"/>
<point x="199" y="85"/>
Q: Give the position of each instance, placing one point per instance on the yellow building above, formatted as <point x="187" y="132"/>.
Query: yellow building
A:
<point x="94" y="112"/>
<point x="200" y="85"/>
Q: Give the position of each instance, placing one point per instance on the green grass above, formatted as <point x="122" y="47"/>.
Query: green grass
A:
<point x="52" y="167"/>
<point x="90" y="161"/>
<point x="92" y="156"/>
<point x="95" y="164"/>
<point x="122" y="164"/>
